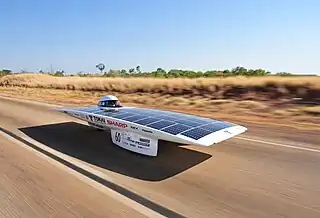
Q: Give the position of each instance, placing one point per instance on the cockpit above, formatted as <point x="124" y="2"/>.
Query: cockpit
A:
<point x="109" y="101"/>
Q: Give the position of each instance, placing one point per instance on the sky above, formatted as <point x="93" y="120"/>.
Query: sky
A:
<point x="76" y="35"/>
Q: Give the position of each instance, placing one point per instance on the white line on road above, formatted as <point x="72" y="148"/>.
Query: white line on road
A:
<point x="121" y="198"/>
<point x="243" y="138"/>
<point x="280" y="144"/>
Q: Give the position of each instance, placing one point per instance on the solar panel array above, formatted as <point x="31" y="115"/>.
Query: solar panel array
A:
<point x="170" y="122"/>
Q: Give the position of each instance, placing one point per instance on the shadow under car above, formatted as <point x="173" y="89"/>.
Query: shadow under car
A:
<point x="96" y="148"/>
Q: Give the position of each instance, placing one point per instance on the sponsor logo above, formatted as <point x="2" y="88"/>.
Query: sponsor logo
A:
<point x="96" y="119"/>
<point x="132" y="145"/>
<point x="226" y="131"/>
<point x="145" y="130"/>
<point x="133" y="127"/>
<point x="144" y="140"/>
<point x="142" y="147"/>
<point x="117" y="124"/>
<point x="141" y="142"/>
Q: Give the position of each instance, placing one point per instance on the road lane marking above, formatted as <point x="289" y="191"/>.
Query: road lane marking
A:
<point x="109" y="191"/>
<point x="239" y="137"/>
<point x="280" y="144"/>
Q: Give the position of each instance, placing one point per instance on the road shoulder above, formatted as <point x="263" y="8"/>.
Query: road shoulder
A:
<point x="33" y="187"/>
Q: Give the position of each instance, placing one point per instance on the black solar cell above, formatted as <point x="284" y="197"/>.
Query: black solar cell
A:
<point x="165" y="117"/>
<point x="115" y="114"/>
<point x="122" y="116"/>
<point x="91" y="109"/>
<point x="216" y="126"/>
<point x="175" y="129"/>
<point x="201" y="120"/>
<point x="196" y="133"/>
<point x="133" y="118"/>
<point x="188" y="123"/>
<point x="141" y="111"/>
<point x="103" y="112"/>
<point x="178" y="115"/>
<point x="146" y="121"/>
<point x="95" y="111"/>
<point x="160" y="124"/>
<point x="132" y="110"/>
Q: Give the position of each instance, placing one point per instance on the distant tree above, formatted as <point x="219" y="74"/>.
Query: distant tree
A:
<point x="5" y="72"/>
<point x="138" y="69"/>
<point x="161" y="71"/>
<point x="100" y="67"/>
<point x="59" y="73"/>
<point x="131" y="70"/>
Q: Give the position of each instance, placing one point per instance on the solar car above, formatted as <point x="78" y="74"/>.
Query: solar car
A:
<point x="139" y="129"/>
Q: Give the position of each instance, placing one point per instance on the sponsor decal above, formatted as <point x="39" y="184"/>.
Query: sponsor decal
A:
<point x="226" y="131"/>
<point x="145" y="130"/>
<point x="135" y="142"/>
<point x="117" y="124"/>
<point x="118" y="137"/>
<point x="133" y="127"/>
<point x="144" y="140"/>
<point x="76" y="114"/>
<point x="96" y="119"/>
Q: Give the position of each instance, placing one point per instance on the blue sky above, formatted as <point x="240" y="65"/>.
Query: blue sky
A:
<point x="75" y="35"/>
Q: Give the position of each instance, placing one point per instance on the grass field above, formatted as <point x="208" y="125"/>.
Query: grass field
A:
<point x="293" y="99"/>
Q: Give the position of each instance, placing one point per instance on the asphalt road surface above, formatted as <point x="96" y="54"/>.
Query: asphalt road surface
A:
<point x="52" y="165"/>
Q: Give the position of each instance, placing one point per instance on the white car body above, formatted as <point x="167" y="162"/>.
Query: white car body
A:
<point x="125" y="131"/>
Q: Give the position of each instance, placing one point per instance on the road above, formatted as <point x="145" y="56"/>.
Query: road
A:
<point x="53" y="165"/>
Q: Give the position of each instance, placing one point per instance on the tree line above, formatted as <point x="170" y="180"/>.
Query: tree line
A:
<point x="161" y="73"/>
<point x="177" y="73"/>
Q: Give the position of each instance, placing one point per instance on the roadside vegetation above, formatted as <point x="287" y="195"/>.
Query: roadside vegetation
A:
<point x="242" y="93"/>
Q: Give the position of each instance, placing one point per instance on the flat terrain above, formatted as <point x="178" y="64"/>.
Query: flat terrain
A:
<point x="271" y="99"/>
<point x="266" y="172"/>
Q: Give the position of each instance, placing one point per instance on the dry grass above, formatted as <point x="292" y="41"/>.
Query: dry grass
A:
<point x="239" y="111"/>
<point x="258" y="98"/>
<point x="255" y="88"/>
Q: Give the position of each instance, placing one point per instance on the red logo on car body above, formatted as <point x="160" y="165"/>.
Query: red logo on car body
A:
<point x="115" y="123"/>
